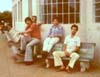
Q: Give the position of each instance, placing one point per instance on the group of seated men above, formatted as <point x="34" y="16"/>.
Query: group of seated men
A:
<point x="32" y="36"/>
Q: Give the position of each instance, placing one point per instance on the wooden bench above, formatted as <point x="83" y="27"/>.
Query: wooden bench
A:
<point x="86" y="54"/>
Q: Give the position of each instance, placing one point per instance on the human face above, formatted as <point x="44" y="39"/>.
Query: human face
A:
<point x="28" y="22"/>
<point x="74" y="30"/>
<point x="34" y="19"/>
<point x="55" y="22"/>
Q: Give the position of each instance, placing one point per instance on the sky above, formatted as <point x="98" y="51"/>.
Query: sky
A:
<point x="5" y="5"/>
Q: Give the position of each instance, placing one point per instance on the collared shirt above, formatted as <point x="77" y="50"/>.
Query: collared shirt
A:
<point x="71" y="43"/>
<point x="56" y="31"/>
<point x="35" y="33"/>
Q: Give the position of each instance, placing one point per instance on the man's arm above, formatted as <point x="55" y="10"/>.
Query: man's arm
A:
<point x="77" y="46"/>
<point x="60" y="33"/>
<point x="76" y="49"/>
<point x="49" y="35"/>
<point x="28" y="30"/>
<point x="64" y="47"/>
<point x="65" y="50"/>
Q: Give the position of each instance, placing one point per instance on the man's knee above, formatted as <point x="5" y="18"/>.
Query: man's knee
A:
<point x="28" y="46"/>
<point x="54" y="41"/>
<point x="47" y="39"/>
<point x="75" y="55"/>
<point x="22" y="37"/>
<point x="55" y="53"/>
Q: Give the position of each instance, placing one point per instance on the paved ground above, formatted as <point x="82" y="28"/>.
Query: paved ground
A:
<point x="10" y="69"/>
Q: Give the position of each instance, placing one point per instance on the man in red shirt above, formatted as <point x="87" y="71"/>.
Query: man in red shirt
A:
<point x="29" y="37"/>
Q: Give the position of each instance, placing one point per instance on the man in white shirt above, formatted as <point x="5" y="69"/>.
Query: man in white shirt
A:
<point x="71" y="47"/>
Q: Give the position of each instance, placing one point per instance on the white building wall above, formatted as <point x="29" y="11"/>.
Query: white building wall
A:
<point x="89" y="31"/>
<point x="93" y="28"/>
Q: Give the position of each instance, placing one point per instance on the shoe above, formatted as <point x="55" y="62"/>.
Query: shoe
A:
<point x="68" y="70"/>
<point x="60" y="69"/>
<point x="20" y="54"/>
<point x="28" y="62"/>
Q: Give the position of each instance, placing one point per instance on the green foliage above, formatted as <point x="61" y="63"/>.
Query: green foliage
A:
<point x="6" y="16"/>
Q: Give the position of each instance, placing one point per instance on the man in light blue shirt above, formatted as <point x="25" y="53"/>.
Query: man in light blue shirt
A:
<point x="55" y="35"/>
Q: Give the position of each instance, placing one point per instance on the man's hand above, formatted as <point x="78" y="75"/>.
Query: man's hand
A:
<point x="50" y="36"/>
<point x="21" y="33"/>
<point x="67" y="54"/>
<point x="25" y="34"/>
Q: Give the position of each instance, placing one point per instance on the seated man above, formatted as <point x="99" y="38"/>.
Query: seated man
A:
<point x="34" y="19"/>
<point x="71" y="47"/>
<point x="55" y="35"/>
<point x="29" y="37"/>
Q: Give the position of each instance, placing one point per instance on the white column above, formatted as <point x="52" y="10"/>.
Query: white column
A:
<point x="35" y="7"/>
<point x="24" y="9"/>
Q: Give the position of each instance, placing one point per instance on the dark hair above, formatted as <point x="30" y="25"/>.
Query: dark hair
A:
<point x="35" y="18"/>
<point x="56" y="18"/>
<point x="74" y="25"/>
<point x="28" y="19"/>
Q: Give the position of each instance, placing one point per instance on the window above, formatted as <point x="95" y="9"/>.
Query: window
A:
<point x="68" y="11"/>
<point x="97" y="11"/>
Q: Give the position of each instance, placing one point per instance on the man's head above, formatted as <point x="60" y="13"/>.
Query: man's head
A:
<point x="34" y="19"/>
<point x="74" y="29"/>
<point x="28" y="21"/>
<point x="55" y="21"/>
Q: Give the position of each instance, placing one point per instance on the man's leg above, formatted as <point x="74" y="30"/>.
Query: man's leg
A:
<point x="28" y="53"/>
<point x="57" y="58"/>
<point x="15" y="53"/>
<point x="45" y="47"/>
<point x="52" y="42"/>
<point x="74" y="57"/>
<point x="23" y="41"/>
<point x="45" y="44"/>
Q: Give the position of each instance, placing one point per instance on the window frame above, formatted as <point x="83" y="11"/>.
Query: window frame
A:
<point x="94" y="13"/>
<point x="80" y="11"/>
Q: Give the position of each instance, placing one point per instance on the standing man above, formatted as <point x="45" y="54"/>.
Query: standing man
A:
<point x="29" y="37"/>
<point x="55" y="35"/>
<point x="71" y="47"/>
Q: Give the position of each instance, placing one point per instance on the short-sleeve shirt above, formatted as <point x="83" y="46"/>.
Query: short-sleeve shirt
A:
<point x="56" y="31"/>
<point x="35" y="33"/>
<point x="71" y="43"/>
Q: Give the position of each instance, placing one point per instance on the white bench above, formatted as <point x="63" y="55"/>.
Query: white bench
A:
<point x="13" y="39"/>
<point x="12" y="36"/>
